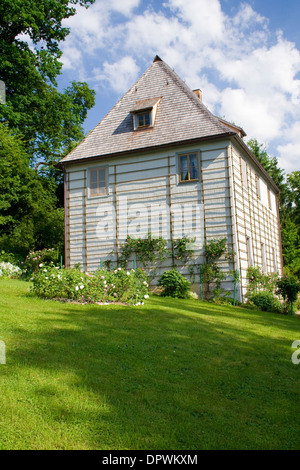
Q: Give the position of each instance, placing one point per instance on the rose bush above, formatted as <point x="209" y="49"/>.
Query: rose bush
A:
<point x="9" y="270"/>
<point x="120" y="285"/>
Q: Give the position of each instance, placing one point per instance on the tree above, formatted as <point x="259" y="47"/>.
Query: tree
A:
<point x="29" y="216"/>
<point x="49" y="121"/>
<point x="293" y="180"/>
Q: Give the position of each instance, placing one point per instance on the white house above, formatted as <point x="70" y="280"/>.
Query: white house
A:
<point x="160" y="161"/>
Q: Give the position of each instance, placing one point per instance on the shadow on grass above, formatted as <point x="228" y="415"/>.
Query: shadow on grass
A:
<point x="170" y="375"/>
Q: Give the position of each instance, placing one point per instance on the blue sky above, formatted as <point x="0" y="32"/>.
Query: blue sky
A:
<point x="243" y="55"/>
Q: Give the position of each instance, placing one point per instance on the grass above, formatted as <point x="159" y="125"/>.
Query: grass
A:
<point x="173" y="374"/>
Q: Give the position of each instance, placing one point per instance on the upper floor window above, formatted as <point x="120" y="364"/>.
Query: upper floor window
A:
<point x="258" y="192"/>
<point x="244" y="173"/>
<point x="98" y="182"/>
<point x="188" y="167"/>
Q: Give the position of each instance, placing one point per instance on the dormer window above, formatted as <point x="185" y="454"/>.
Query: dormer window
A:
<point x="143" y="119"/>
<point x="144" y="113"/>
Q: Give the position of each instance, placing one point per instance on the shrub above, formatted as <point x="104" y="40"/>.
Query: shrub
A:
<point x="288" y="287"/>
<point x="266" y="301"/>
<point x="183" y="248"/>
<point x="214" y="250"/>
<point x="174" y="284"/>
<point x="8" y="257"/>
<point x="36" y="259"/>
<point x="102" y="286"/>
<point x="9" y="270"/>
<point x="259" y="281"/>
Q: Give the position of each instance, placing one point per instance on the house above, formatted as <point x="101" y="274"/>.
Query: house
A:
<point x="160" y="161"/>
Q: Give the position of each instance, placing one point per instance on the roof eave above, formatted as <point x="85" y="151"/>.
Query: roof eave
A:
<point x="148" y="149"/>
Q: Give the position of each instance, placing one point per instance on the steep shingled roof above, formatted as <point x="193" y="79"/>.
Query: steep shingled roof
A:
<point x="180" y="117"/>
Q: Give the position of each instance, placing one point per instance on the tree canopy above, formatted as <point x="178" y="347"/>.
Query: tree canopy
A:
<point x="30" y="217"/>
<point x="49" y="121"/>
<point x="38" y="123"/>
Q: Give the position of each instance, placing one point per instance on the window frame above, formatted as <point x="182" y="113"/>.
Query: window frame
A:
<point x="258" y="191"/>
<point x="250" y="251"/>
<point x="187" y="154"/>
<point x="264" y="258"/>
<point x="143" y="113"/>
<point x="90" y="171"/>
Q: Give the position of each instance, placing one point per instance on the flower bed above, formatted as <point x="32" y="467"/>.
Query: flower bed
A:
<point x="119" y="285"/>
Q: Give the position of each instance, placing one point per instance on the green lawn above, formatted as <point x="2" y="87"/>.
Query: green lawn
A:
<point x="173" y="374"/>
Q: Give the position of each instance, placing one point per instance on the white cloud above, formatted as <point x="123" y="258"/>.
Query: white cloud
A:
<point x="205" y="17"/>
<point x="289" y="150"/>
<point x="246" y="72"/>
<point x="120" y="75"/>
<point x="124" y="6"/>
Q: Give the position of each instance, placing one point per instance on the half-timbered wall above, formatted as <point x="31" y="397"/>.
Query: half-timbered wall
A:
<point x="139" y="188"/>
<point x="257" y="224"/>
<point x="230" y="200"/>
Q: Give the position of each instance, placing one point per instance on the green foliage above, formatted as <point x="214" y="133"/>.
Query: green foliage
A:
<point x="29" y="216"/>
<point x="260" y="281"/>
<point x="38" y="259"/>
<point x="103" y="286"/>
<point x="49" y="121"/>
<point x="8" y="257"/>
<point x="214" y="249"/>
<point x="183" y="248"/>
<point x="266" y="301"/>
<point x="212" y="272"/>
<point x="290" y="235"/>
<point x="288" y="287"/>
<point x="147" y="250"/>
<point x="174" y="284"/>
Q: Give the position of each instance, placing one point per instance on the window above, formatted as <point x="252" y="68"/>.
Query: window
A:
<point x="98" y="182"/>
<point x="244" y="173"/>
<point x="257" y="186"/>
<point x="144" y="113"/>
<point x="263" y="256"/>
<point x="250" y="254"/>
<point x="143" y="119"/>
<point x="188" y="167"/>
